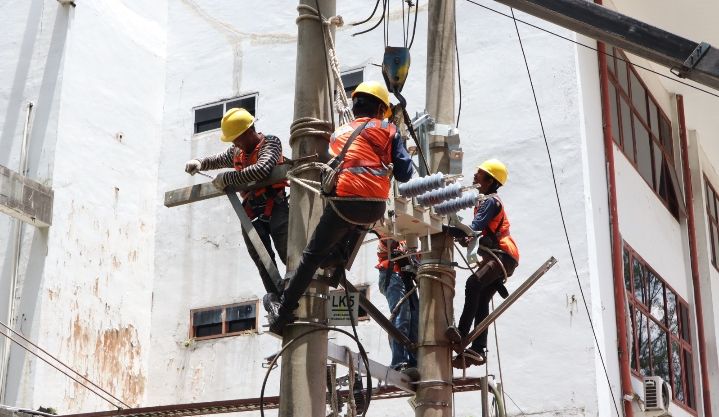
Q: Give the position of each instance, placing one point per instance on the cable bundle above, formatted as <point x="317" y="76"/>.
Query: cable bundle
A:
<point x="417" y="186"/>
<point x="452" y="206"/>
<point x="433" y="197"/>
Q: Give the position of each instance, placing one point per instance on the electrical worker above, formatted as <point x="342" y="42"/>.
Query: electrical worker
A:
<point x="491" y="220"/>
<point x="395" y="282"/>
<point x="253" y="155"/>
<point x="363" y="185"/>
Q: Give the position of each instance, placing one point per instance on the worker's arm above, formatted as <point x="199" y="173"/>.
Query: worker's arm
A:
<point x="218" y="161"/>
<point x="401" y="160"/>
<point x="269" y="154"/>
<point x="488" y="209"/>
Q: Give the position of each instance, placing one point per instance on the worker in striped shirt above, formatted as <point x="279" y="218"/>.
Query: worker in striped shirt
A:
<point x="253" y="155"/>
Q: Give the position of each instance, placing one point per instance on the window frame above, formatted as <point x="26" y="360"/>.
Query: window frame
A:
<point x="643" y="119"/>
<point x="223" y="103"/>
<point x="362" y="288"/>
<point x="685" y="346"/>
<point x="225" y="322"/>
<point x="712" y="220"/>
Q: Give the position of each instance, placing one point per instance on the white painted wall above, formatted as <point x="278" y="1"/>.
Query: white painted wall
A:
<point x="86" y="292"/>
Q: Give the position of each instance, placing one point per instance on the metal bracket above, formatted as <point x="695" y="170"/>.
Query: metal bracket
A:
<point x="692" y="60"/>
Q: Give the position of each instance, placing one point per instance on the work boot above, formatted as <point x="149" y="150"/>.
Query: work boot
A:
<point x="278" y="316"/>
<point x="411" y="372"/>
<point x="453" y="335"/>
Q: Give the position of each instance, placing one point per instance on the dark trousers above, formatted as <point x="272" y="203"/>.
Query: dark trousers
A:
<point x="478" y="293"/>
<point x="331" y="242"/>
<point x="270" y="230"/>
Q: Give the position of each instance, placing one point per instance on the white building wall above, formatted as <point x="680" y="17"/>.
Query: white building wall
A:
<point x="219" y="50"/>
<point x="86" y="294"/>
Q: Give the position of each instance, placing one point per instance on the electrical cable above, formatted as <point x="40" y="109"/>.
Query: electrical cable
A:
<point x="370" y="16"/>
<point x="376" y="24"/>
<point x="318" y="328"/>
<point x="594" y="49"/>
<point x="386" y="22"/>
<point x="368" y="393"/>
<point x="561" y="214"/>
<point x="404" y="26"/>
<point x="459" y="74"/>
<point x="414" y="25"/>
<point x="62" y="371"/>
<point x="499" y="359"/>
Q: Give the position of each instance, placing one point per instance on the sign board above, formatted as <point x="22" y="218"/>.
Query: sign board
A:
<point x="339" y="307"/>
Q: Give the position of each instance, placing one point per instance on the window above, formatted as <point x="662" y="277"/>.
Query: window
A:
<point x="208" y="117"/>
<point x="351" y="79"/>
<point x="712" y="199"/>
<point x="642" y="131"/>
<point x="660" y="328"/>
<point x="361" y="312"/>
<point x="223" y="321"/>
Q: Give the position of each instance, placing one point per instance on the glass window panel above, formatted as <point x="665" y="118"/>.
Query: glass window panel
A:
<point x="653" y="119"/>
<point x="245" y="311"/>
<point x="208" y="118"/>
<point x="677" y="380"/>
<point x="656" y="296"/>
<point x="627" y="141"/>
<point x="633" y="342"/>
<point x="660" y="185"/>
<point x="639" y="96"/>
<point x="715" y="239"/>
<point x="248" y="103"/>
<point x="611" y="61"/>
<point x="613" y="110"/>
<point x="639" y="280"/>
<point x="241" y="325"/>
<point x="665" y="135"/>
<point x="689" y="373"/>
<point x="643" y="342"/>
<point x="627" y="272"/>
<point x="207" y="317"/>
<point x="660" y="352"/>
<point x="672" y="320"/>
<point x="644" y="156"/>
<point x="684" y="320"/>
<point x="351" y="80"/>
<point x="711" y="201"/>
<point x="622" y="75"/>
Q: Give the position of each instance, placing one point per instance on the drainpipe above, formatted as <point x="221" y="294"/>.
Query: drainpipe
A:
<point x="617" y="263"/>
<point x="18" y="228"/>
<point x="691" y="232"/>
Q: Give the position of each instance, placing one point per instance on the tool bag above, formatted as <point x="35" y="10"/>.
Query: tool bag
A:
<point x="329" y="175"/>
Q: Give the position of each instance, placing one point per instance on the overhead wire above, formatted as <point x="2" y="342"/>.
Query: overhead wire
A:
<point x="381" y="20"/>
<point x="593" y="48"/>
<point x="370" y="16"/>
<point x="561" y="211"/>
<point x="63" y="364"/>
<point x="459" y="74"/>
<point x="414" y="25"/>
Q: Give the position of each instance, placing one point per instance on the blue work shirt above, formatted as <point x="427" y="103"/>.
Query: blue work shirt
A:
<point x="488" y="209"/>
<point x="401" y="160"/>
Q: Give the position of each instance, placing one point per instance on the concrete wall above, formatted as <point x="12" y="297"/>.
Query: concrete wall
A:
<point x="218" y="50"/>
<point x="86" y="290"/>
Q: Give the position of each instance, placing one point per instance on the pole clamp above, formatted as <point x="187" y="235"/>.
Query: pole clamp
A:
<point x="692" y="60"/>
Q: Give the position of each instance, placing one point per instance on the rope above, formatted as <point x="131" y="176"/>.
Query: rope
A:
<point x="342" y="102"/>
<point x="310" y="126"/>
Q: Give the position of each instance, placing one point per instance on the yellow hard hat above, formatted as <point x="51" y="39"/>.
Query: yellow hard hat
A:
<point x="375" y="89"/>
<point x="496" y="169"/>
<point x="234" y="123"/>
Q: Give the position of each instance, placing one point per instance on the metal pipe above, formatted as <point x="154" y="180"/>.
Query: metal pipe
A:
<point x="18" y="227"/>
<point x="617" y="264"/>
<point x="691" y="232"/>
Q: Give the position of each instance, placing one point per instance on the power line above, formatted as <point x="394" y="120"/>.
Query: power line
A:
<point x="58" y="369"/>
<point x="593" y="48"/>
<point x="561" y="213"/>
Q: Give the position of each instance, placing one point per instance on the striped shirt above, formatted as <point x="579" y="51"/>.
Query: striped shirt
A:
<point x="268" y="156"/>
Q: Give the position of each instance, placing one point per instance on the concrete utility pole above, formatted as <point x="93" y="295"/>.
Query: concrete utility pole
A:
<point x="302" y="383"/>
<point x="436" y="275"/>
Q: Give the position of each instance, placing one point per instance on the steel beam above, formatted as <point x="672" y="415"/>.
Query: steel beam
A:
<point x="343" y="354"/>
<point x="632" y="35"/>
<point x="514" y="296"/>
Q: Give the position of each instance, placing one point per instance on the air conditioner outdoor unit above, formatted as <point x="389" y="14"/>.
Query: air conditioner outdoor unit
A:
<point x="657" y="394"/>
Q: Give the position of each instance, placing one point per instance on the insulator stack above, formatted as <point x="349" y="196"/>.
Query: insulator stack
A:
<point x="417" y="186"/>
<point x="452" y="206"/>
<point x="430" y="198"/>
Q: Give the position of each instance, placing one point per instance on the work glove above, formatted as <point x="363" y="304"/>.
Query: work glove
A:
<point x="192" y="166"/>
<point x="219" y="181"/>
